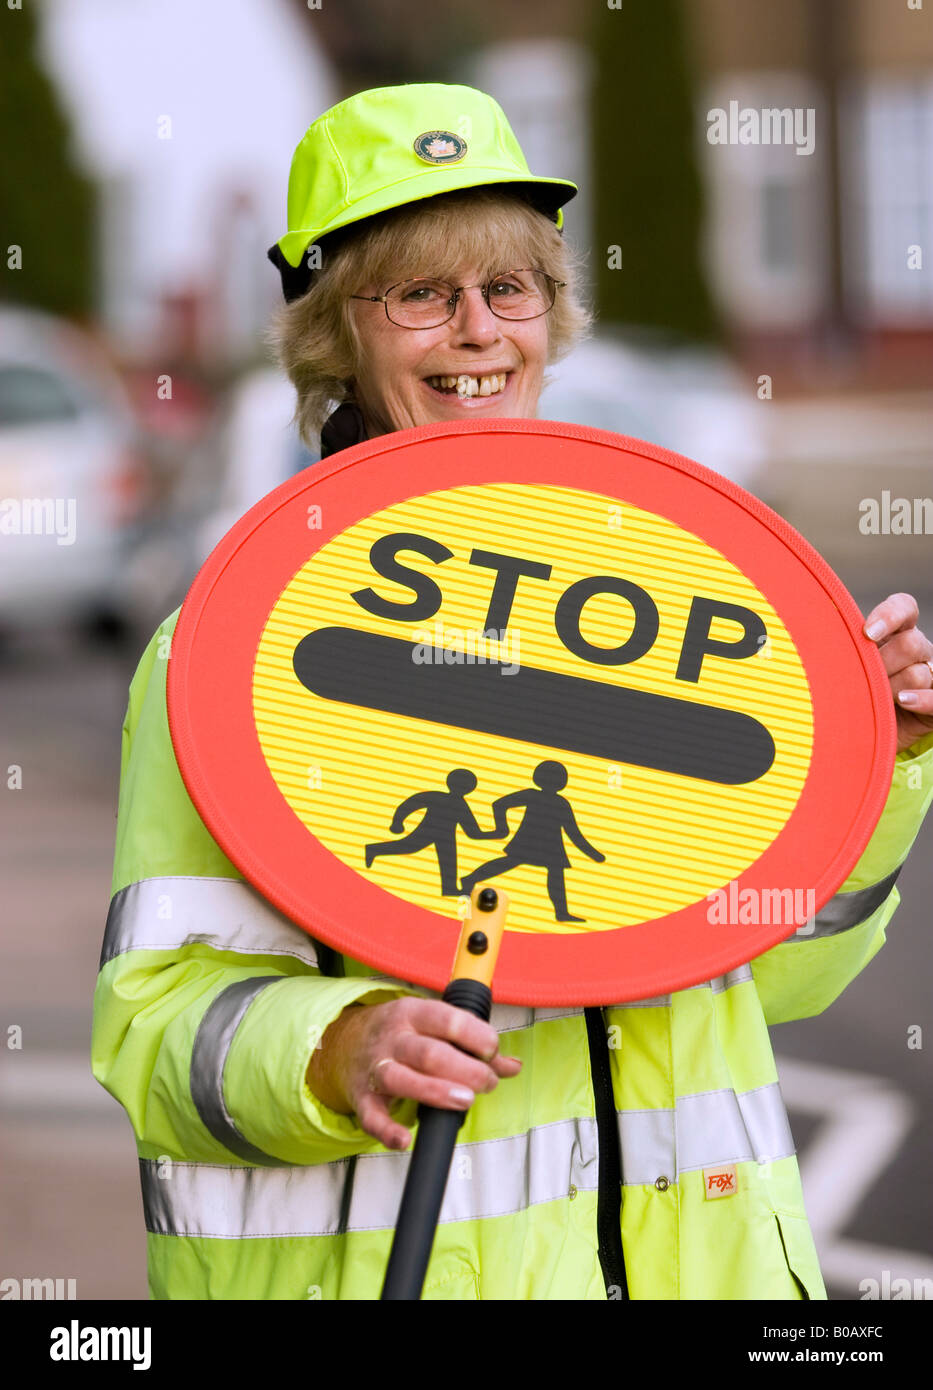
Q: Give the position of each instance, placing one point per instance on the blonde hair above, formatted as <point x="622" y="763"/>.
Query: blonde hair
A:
<point x="313" y="339"/>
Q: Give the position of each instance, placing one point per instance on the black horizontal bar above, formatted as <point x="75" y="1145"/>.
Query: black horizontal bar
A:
<point x="596" y="718"/>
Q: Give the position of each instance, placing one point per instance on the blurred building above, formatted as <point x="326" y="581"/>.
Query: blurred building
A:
<point x="816" y="254"/>
<point x="542" y="84"/>
<point x="187" y="115"/>
<point x="831" y="239"/>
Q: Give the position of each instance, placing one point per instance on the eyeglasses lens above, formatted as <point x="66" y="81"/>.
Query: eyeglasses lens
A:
<point x="515" y="294"/>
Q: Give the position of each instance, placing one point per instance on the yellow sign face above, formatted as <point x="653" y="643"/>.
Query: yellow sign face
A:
<point x="654" y="740"/>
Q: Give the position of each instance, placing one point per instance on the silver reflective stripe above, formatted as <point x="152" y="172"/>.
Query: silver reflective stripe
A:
<point x="712" y="1127"/>
<point x="648" y="1144"/>
<point x="508" y="1018"/>
<point x="723" y="982"/>
<point x="228" y="914"/>
<point x="491" y="1178"/>
<point x="209" y="1057"/>
<point x="848" y="910"/>
<point x="740" y="976"/>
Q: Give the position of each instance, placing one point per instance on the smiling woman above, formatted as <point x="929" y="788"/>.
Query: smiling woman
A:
<point x="338" y="348"/>
<point x="636" y="1150"/>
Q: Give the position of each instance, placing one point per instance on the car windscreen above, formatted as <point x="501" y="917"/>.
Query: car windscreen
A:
<point x="30" y="396"/>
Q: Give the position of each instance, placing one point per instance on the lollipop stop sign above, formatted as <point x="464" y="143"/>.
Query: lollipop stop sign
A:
<point x="540" y="653"/>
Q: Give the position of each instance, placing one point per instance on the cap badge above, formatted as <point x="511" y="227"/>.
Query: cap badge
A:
<point x="440" y="147"/>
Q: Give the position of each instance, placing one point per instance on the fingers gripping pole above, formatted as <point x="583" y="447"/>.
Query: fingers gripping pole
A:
<point x="470" y="988"/>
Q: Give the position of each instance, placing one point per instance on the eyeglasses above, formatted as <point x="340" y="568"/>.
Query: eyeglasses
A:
<point x="514" y="294"/>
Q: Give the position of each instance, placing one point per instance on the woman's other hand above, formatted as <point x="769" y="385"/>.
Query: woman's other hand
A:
<point x="905" y="651"/>
<point x="420" y="1049"/>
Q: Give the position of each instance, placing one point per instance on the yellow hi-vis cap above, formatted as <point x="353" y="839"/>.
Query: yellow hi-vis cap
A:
<point x="394" y="145"/>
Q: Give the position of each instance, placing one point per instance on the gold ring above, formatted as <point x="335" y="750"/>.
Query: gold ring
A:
<point x="373" y="1083"/>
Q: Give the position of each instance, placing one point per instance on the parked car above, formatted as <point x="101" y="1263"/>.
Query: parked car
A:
<point x="689" y="400"/>
<point x="259" y="448"/>
<point x="71" y="478"/>
<point x="252" y="449"/>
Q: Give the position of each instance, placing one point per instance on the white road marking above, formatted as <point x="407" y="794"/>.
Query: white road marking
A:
<point x="865" y="1122"/>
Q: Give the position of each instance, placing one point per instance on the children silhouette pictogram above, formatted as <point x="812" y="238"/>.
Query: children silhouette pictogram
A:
<point x="539" y="837"/>
<point x="443" y="813"/>
<point x="537" y="841"/>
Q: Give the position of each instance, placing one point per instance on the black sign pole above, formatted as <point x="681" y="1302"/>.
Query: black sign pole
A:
<point x="469" y="988"/>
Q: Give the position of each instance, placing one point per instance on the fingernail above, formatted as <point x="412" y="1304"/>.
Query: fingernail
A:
<point x="877" y="629"/>
<point x="461" y="1096"/>
<point x="908" y="697"/>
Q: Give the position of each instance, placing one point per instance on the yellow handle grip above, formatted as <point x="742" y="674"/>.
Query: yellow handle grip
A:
<point x="481" y="937"/>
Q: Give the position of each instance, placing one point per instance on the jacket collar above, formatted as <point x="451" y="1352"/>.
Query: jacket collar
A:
<point x="344" y="428"/>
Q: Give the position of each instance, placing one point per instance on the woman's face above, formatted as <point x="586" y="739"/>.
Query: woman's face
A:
<point x="393" y="387"/>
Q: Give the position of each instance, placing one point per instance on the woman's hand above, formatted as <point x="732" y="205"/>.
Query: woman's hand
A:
<point x="905" y="652"/>
<point x="377" y="1053"/>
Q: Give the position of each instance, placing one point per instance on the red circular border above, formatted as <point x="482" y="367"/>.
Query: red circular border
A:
<point x="210" y="708"/>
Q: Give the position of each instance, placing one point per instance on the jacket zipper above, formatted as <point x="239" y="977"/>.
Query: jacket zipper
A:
<point x="609" y="1197"/>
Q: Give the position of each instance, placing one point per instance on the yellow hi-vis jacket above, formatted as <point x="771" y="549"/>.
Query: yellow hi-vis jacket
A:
<point x="209" y="1004"/>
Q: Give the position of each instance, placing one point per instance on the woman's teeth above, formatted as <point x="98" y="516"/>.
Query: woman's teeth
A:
<point x="470" y="385"/>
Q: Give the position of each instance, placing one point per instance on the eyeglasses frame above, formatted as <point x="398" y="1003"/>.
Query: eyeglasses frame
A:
<point x="457" y="292"/>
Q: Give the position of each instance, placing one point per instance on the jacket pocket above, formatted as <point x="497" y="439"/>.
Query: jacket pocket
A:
<point x="459" y="1283"/>
<point x="800" y="1253"/>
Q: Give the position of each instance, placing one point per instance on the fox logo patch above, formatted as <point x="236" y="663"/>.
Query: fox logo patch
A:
<point x="720" y="1182"/>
